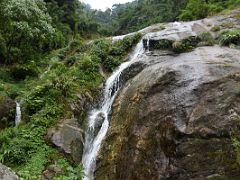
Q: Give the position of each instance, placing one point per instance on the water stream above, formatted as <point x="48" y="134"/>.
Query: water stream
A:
<point x="18" y="114"/>
<point x="98" y="119"/>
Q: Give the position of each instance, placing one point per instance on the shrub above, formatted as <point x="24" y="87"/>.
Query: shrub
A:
<point x="215" y="28"/>
<point x="206" y="39"/>
<point x="186" y="15"/>
<point x="230" y="37"/>
<point x="214" y="8"/>
<point x="195" y="9"/>
<point x="111" y="63"/>
<point x="100" y="48"/>
<point x="163" y="44"/>
<point x="186" y="44"/>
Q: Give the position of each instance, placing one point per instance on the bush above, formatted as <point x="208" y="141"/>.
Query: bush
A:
<point x="163" y="44"/>
<point x="214" y="8"/>
<point x="186" y="44"/>
<point x="100" y="49"/>
<point x="215" y="28"/>
<point x="195" y="9"/>
<point x="230" y="37"/>
<point x="111" y="63"/>
<point x="206" y="39"/>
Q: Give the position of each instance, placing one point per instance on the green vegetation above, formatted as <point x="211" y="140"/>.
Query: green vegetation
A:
<point x="198" y="9"/>
<point x="46" y="60"/>
<point x="22" y="39"/>
<point x="230" y="37"/>
<point x="215" y="28"/>
<point x="204" y="39"/>
<point x="112" y="55"/>
<point x="47" y="96"/>
<point x="236" y="145"/>
<point x="195" y="9"/>
<point x="130" y="17"/>
<point x="185" y="45"/>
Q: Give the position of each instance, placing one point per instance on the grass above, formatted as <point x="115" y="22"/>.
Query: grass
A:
<point x="227" y="38"/>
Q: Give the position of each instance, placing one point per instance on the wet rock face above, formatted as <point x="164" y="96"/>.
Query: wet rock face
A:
<point x="7" y="112"/>
<point x="189" y="33"/>
<point x="7" y="174"/>
<point x="174" y="120"/>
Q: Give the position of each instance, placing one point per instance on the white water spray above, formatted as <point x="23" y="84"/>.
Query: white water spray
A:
<point x="18" y="114"/>
<point x="99" y="117"/>
<point x="148" y="42"/>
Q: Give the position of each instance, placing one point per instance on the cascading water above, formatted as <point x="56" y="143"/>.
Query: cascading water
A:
<point x="100" y="117"/>
<point x="18" y="114"/>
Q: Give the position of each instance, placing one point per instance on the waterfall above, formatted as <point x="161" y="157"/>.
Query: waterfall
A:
<point x="18" y="114"/>
<point x="148" y="42"/>
<point x="99" y="118"/>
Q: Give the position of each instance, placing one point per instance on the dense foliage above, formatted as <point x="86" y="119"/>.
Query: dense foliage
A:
<point x="231" y="37"/>
<point x="25" y="30"/>
<point x="129" y="17"/>
<point x="198" y="9"/>
<point x="72" y="17"/>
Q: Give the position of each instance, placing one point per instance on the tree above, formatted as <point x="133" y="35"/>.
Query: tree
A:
<point x="195" y="9"/>
<point x="25" y="29"/>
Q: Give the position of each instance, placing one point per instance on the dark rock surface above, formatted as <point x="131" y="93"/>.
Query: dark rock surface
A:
<point x="174" y="120"/>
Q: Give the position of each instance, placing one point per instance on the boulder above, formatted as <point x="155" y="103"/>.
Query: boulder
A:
<point x="68" y="137"/>
<point x="7" y="174"/>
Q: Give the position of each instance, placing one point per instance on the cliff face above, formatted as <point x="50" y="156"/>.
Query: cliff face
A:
<point x="176" y="118"/>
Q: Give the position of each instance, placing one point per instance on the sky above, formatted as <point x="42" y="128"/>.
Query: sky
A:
<point x="103" y="4"/>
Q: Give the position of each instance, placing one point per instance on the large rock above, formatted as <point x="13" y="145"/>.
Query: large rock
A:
<point x="7" y="174"/>
<point x="179" y="31"/>
<point x="175" y="119"/>
<point x="7" y="112"/>
<point x="68" y="137"/>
